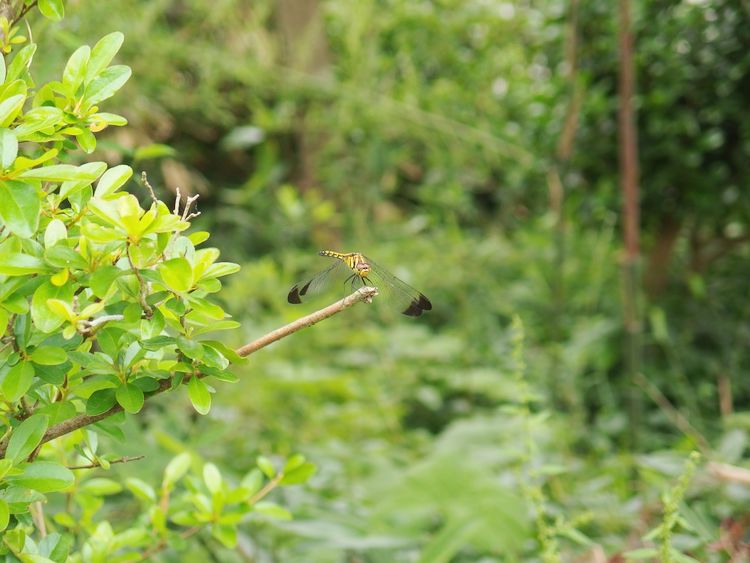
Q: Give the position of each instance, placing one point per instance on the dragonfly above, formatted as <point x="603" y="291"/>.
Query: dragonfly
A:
<point x="361" y="270"/>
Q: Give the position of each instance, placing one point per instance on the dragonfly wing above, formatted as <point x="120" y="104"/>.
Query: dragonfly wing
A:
<point x="410" y="301"/>
<point x="304" y="289"/>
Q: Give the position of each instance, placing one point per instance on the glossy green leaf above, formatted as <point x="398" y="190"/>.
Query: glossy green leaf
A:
<point x="75" y="69"/>
<point x="52" y="9"/>
<point x="100" y="401"/>
<point x="10" y="108"/>
<point x="112" y="180"/>
<point x="48" y="355"/>
<point x="130" y="397"/>
<point x="44" y="476"/>
<point x="16" y="264"/>
<point x="55" y="232"/>
<point x="26" y="437"/>
<point x="102" y="279"/>
<point x="20" y="62"/>
<point x="8" y="147"/>
<point x="191" y="348"/>
<point x="20" y="207"/>
<point x="87" y="141"/>
<point x="107" y="83"/>
<point x="36" y="119"/>
<point x="43" y="317"/>
<point x="4" y="514"/>
<point x="64" y="173"/>
<point x="177" y="274"/>
<point x="103" y="53"/>
<point x="17" y="381"/>
<point x="199" y="395"/>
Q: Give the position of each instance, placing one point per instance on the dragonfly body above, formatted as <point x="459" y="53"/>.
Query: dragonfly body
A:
<point x="363" y="271"/>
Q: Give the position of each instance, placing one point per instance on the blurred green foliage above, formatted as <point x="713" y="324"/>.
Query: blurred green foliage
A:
<point x="425" y="135"/>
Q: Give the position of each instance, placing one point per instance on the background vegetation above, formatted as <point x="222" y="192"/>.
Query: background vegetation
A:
<point x="472" y="147"/>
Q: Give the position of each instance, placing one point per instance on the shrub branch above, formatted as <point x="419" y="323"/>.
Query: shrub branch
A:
<point x="363" y="294"/>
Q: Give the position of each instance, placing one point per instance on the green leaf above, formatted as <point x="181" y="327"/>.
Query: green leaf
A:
<point x="43" y="317"/>
<point x="75" y="69"/>
<point x="26" y="437"/>
<point x="87" y="141"/>
<point x="299" y="474"/>
<point x="103" y="53"/>
<point x="8" y="147"/>
<point x="43" y="476"/>
<point x="65" y="172"/>
<point x="106" y="84"/>
<point x="17" y="381"/>
<point x="20" y="207"/>
<point x="52" y="9"/>
<point x="2" y="70"/>
<point x="177" y="274"/>
<point x="100" y="401"/>
<point x="199" y="395"/>
<point x="49" y="355"/>
<point x="10" y="108"/>
<point x="141" y="489"/>
<point x="20" y="62"/>
<point x="102" y="279"/>
<point x="4" y="511"/>
<point x="212" y="477"/>
<point x="101" y="487"/>
<point x="265" y="465"/>
<point x="55" y="232"/>
<point x="191" y="348"/>
<point x="130" y="397"/>
<point x="16" y="264"/>
<point x="112" y="180"/>
<point x="225" y="534"/>
<point x="153" y="151"/>
<point x="220" y="269"/>
<point x="42" y="117"/>
<point x="5" y="466"/>
<point x="176" y="469"/>
<point x="272" y="510"/>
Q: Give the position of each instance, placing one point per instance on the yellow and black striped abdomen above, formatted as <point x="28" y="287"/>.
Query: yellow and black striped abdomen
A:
<point x="354" y="260"/>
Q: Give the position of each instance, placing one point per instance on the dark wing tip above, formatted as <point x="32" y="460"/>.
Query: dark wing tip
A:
<point x="293" y="296"/>
<point x="296" y="293"/>
<point x="425" y="303"/>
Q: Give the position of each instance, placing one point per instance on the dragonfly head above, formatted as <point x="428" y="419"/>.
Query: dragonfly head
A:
<point x="362" y="269"/>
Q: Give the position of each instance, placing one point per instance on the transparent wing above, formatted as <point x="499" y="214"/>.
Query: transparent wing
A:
<point x="307" y="288"/>
<point x="408" y="300"/>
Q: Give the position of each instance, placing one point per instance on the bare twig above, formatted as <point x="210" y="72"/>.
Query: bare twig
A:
<point x="125" y="459"/>
<point x="87" y="328"/>
<point x="144" y="179"/>
<point x="363" y="294"/>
